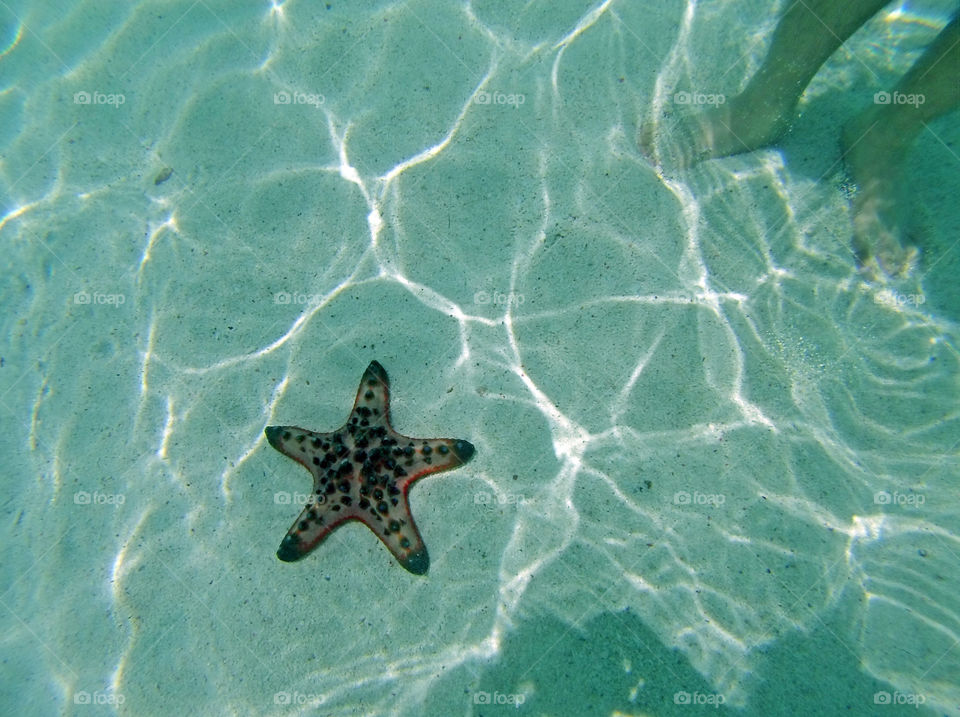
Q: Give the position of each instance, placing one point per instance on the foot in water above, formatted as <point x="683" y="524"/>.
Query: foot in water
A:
<point x="875" y="165"/>
<point x="690" y="135"/>
<point x="806" y="35"/>
<point x="875" y="145"/>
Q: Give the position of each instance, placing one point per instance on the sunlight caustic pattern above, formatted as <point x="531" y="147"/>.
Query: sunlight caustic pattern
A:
<point x="687" y="406"/>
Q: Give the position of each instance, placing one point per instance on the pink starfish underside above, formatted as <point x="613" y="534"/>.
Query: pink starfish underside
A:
<point x="363" y="472"/>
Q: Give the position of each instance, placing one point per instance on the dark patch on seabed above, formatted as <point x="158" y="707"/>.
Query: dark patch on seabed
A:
<point x="594" y="668"/>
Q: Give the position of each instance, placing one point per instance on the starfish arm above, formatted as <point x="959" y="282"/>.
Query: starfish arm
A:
<point x="373" y="397"/>
<point x="310" y="529"/>
<point x="423" y="456"/>
<point x="393" y="525"/>
<point x="298" y="443"/>
<point x="399" y="533"/>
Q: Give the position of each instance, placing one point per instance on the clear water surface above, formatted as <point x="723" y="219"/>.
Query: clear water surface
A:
<point x="716" y="469"/>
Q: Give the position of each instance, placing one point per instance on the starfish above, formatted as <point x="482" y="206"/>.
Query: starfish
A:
<point x="363" y="471"/>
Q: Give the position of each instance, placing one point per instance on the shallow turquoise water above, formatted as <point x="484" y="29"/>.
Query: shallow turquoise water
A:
<point x="716" y="468"/>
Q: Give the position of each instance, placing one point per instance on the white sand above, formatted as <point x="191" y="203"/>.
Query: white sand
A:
<point x="532" y="286"/>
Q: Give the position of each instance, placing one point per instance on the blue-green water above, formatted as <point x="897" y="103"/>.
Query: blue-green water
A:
<point x="717" y="468"/>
